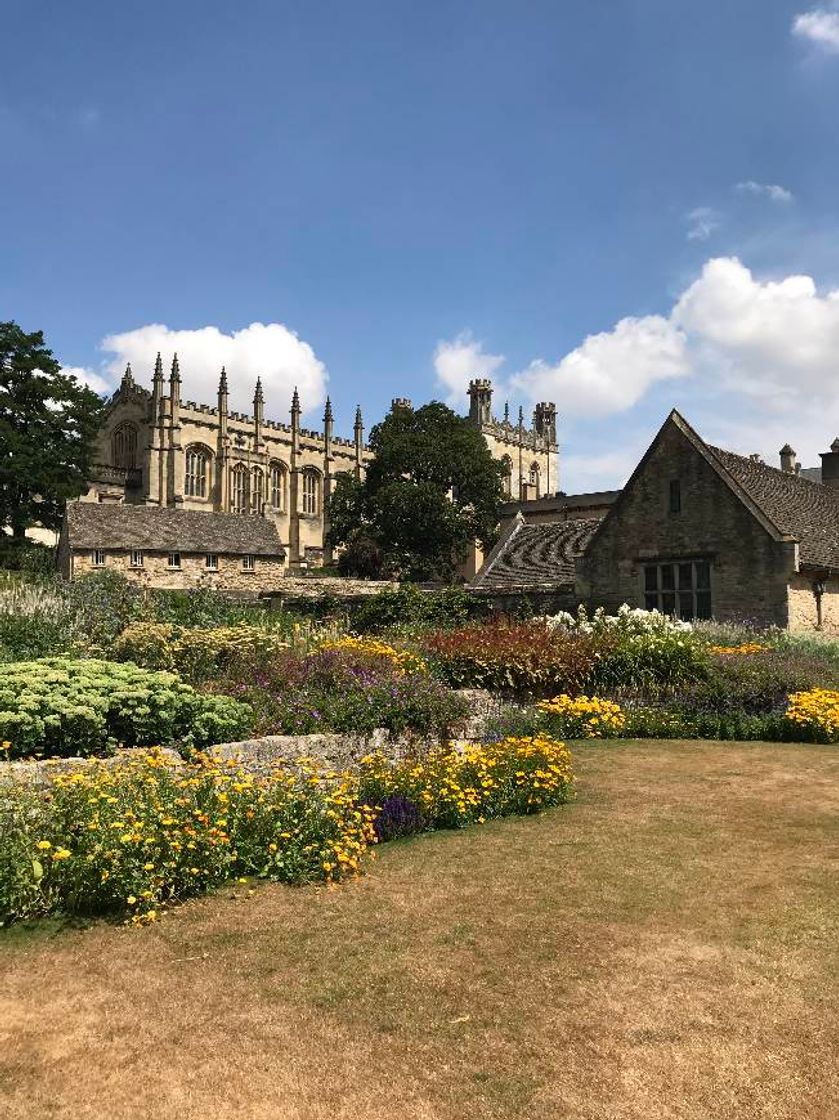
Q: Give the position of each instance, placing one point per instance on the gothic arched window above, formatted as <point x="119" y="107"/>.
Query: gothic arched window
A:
<point x="239" y="489"/>
<point x="257" y="489"/>
<point x="279" y="484"/>
<point x="311" y="491"/>
<point x="197" y="477"/>
<point x="124" y="446"/>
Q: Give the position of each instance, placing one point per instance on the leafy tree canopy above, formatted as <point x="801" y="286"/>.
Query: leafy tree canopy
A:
<point x="431" y="489"/>
<point x="48" y="424"/>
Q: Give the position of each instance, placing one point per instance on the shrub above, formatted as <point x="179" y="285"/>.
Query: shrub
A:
<point x="756" y="684"/>
<point x="60" y="706"/>
<point x="362" y="559"/>
<point x="582" y="717"/>
<point x="452" y="788"/>
<point x="521" y="658"/>
<point x="638" y="650"/>
<point x="655" y="722"/>
<point x="34" y="621"/>
<point x="409" y="609"/>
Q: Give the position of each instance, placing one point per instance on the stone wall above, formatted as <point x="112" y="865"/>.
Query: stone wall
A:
<point x="803" y="615"/>
<point x="749" y="569"/>
<point x="267" y="575"/>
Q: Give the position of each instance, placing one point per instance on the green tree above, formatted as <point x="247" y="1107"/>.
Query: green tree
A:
<point x="432" y="488"/>
<point x="48" y="424"/>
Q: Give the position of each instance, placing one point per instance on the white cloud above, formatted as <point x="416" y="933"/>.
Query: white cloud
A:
<point x="459" y="361"/>
<point x="702" y="222"/>
<point x="819" y="26"/>
<point x="88" y="377"/>
<point x="267" y="350"/>
<point x="776" y="341"/>
<point x="770" y="190"/>
<point x="610" y="371"/>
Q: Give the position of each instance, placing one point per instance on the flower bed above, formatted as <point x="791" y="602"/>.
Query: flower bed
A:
<point x="131" y="839"/>
<point x="351" y="685"/>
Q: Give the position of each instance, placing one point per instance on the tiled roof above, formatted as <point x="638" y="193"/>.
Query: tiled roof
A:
<point x="800" y="508"/>
<point x="536" y="556"/>
<point x="160" y="529"/>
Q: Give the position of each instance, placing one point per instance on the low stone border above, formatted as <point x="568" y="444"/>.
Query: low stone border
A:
<point x="338" y="751"/>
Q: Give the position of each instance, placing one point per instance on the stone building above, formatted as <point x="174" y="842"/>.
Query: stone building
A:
<point x="701" y="532"/>
<point x="697" y="531"/>
<point x="156" y="449"/>
<point x="165" y="547"/>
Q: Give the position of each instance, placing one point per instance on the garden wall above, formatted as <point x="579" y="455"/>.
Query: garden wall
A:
<point x="802" y="605"/>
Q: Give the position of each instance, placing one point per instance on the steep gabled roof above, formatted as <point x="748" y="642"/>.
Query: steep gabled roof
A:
<point x="802" y="509"/>
<point x="790" y="507"/>
<point x="529" y="557"/>
<point x="160" y="529"/>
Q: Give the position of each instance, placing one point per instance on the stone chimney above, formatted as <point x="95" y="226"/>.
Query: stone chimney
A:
<point x="788" y="463"/>
<point x="400" y="402"/>
<point x="830" y="466"/>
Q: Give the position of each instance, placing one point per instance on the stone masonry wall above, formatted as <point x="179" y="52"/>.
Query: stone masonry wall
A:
<point x="267" y="575"/>
<point x="749" y="569"/>
<point x="802" y="605"/>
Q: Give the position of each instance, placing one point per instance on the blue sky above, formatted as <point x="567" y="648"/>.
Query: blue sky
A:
<point x="623" y="206"/>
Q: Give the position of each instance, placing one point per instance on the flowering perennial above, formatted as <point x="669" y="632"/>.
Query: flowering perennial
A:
<point x="132" y="837"/>
<point x="584" y="717"/>
<point x="815" y="713"/>
<point x="453" y="787"/>
<point x="404" y="661"/>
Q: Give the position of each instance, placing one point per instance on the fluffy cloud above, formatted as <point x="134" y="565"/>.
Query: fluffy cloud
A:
<point x="771" y="191"/>
<point x="610" y="371"/>
<point x="702" y="222"/>
<point x="267" y="350"/>
<point x="776" y="341"/>
<point x="819" y="26"/>
<point x="95" y="381"/>
<point x="458" y="362"/>
<point x="752" y="363"/>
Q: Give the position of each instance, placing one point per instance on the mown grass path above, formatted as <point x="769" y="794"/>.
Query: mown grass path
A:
<point x="667" y="946"/>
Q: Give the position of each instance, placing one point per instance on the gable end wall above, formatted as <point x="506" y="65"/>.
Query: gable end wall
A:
<point x="750" y="570"/>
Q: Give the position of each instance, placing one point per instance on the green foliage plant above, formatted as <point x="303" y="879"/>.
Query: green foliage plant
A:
<point x="64" y="706"/>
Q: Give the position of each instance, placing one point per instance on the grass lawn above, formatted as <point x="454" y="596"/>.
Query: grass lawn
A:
<point x="667" y="946"/>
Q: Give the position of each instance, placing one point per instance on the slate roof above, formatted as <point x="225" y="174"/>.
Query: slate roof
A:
<point x="530" y="557"/>
<point x="804" y="510"/>
<point x="158" y="529"/>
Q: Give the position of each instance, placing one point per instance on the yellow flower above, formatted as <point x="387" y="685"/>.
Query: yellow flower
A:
<point x="44" y="845"/>
<point x="61" y="853"/>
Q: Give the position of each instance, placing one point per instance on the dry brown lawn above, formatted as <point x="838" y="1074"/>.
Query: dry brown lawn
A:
<point x="664" y="947"/>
